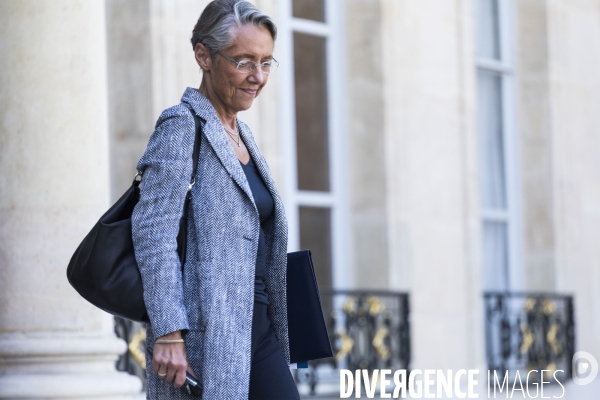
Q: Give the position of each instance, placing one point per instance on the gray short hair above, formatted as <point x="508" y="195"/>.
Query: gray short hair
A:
<point x="214" y="27"/>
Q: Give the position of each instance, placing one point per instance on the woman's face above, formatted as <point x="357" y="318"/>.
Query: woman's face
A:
<point x="235" y="90"/>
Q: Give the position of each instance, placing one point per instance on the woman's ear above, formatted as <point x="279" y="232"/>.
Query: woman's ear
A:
<point x="203" y="56"/>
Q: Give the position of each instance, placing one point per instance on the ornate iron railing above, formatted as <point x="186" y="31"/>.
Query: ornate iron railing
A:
<point x="529" y="331"/>
<point x="134" y="359"/>
<point x="368" y="330"/>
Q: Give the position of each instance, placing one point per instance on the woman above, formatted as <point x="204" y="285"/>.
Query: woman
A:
<point x="229" y="307"/>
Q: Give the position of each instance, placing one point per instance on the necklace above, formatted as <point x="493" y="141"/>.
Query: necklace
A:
<point x="233" y="136"/>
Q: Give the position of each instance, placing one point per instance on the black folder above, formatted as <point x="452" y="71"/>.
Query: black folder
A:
<point x="306" y="325"/>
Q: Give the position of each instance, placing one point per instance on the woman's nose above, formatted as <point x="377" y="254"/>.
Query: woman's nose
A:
<point x="257" y="76"/>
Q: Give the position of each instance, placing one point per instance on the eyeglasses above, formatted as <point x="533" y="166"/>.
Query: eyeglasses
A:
<point x="247" y="66"/>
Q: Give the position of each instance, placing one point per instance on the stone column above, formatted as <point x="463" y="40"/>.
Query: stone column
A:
<point x="535" y="141"/>
<point x="431" y="172"/>
<point x="574" y="97"/>
<point x="366" y="145"/>
<point x="54" y="180"/>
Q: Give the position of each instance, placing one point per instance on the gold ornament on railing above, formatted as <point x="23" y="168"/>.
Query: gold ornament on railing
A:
<point x="138" y="340"/>
<point x="548" y="306"/>
<point x="350" y="305"/>
<point x="379" y="343"/>
<point x="551" y="338"/>
<point x="376" y="306"/>
<point x="346" y="344"/>
<point x="527" y="339"/>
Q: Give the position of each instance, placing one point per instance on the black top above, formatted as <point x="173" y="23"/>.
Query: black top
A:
<point x="264" y="204"/>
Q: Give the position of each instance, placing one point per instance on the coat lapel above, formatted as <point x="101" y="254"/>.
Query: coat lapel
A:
<point x="280" y="223"/>
<point x="257" y="157"/>
<point x="213" y="130"/>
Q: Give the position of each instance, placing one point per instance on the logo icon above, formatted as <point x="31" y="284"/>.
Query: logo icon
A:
<point x="585" y="368"/>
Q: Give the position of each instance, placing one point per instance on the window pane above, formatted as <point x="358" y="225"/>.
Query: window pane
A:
<point x="309" y="9"/>
<point x="495" y="255"/>
<point x="491" y="141"/>
<point x="315" y="235"/>
<point x="488" y="29"/>
<point x="311" y="112"/>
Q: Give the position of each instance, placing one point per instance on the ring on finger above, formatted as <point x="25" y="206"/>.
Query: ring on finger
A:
<point x="161" y="375"/>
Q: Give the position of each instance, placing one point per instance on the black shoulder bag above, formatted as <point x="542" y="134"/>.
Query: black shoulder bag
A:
<point x="103" y="269"/>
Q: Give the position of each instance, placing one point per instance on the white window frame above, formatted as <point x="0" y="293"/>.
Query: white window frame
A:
<point x="335" y="199"/>
<point x="506" y="69"/>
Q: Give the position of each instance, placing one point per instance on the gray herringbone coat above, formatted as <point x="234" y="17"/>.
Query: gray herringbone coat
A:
<point x="214" y="299"/>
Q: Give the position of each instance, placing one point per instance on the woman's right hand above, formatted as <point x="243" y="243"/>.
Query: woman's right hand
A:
<point x="170" y="361"/>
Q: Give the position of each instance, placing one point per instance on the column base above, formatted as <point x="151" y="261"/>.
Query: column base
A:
<point x="63" y="366"/>
<point x="107" y="385"/>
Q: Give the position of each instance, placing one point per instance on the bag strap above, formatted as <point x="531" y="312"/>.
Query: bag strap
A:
<point x="197" y="142"/>
<point x="182" y="235"/>
<point x="195" y="156"/>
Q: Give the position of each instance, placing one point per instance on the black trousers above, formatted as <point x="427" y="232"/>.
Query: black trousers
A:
<point x="270" y="377"/>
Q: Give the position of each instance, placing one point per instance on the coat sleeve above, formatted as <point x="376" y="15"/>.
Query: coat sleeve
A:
<point x="167" y="168"/>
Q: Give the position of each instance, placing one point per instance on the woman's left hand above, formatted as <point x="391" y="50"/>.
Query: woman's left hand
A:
<point x="170" y="361"/>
